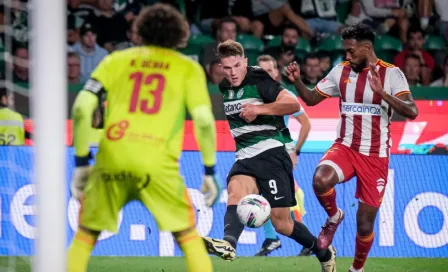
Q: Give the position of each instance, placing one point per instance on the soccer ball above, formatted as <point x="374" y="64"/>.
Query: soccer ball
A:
<point x="253" y="211"/>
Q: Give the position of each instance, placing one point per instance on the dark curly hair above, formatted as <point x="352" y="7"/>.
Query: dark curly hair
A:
<point x="162" y="25"/>
<point x="359" y="32"/>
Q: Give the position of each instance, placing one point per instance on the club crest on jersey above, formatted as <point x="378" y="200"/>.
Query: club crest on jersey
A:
<point x="240" y="93"/>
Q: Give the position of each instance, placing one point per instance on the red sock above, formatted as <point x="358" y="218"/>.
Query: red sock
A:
<point x="362" y="248"/>
<point x="328" y="201"/>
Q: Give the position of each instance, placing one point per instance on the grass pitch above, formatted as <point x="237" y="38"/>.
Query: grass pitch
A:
<point x="243" y="264"/>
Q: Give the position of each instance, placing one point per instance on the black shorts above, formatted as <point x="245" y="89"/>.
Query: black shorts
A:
<point x="272" y="170"/>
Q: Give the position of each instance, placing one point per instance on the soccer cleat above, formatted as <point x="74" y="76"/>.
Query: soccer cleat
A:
<point x="329" y="266"/>
<point x="220" y="248"/>
<point x="268" y="246"/>
<point x="327" y="233"/>
<point x="354" y="270"/>
<point x="305" y="252"/>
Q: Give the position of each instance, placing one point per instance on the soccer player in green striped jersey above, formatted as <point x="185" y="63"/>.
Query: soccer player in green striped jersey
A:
<point x="255" y="104"/>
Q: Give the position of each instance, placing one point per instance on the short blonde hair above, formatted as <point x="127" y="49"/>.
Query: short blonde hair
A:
<point x="267" y="58"/>
<point x="230" y="48"/>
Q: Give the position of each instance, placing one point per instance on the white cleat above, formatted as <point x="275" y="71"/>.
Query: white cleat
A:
<point x="354" y="270"/>
<point x="330" y="266"/>
<point x="220" y="248"/>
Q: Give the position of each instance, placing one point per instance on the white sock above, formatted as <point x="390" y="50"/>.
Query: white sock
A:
<point x="336" y="217"/>
<point x="356" y="270"/>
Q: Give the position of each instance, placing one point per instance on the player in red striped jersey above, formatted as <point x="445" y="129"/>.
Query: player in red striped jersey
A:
<point x="369" y="91"/>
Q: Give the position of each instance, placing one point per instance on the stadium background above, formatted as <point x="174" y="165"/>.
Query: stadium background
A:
<point x="413" y="221"/>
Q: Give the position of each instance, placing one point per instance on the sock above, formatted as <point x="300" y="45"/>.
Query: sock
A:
<point x="269" y="231"/>
<point x="362" y="248"/>
<point x="303" y="236"/>
<point x="328" y="201"/>
<point x="232" y="226"/>
<point x="194" y="251"/>
<point x="79" y="251"/>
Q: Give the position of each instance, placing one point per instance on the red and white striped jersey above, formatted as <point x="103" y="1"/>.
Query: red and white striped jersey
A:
<point x="365" y="117"/>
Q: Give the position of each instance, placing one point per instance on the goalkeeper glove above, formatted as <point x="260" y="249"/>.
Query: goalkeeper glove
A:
<point x="211" y="186"/>
<point x="80" y="176"/>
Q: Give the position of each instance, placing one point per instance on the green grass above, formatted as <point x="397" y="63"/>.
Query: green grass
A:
<point x="258" y="264"/>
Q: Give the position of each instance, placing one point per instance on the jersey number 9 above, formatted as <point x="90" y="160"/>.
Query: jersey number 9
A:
<point x="156" y="80"/>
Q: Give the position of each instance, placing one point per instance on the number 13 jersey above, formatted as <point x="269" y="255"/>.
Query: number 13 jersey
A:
<point x="148" y="90"/>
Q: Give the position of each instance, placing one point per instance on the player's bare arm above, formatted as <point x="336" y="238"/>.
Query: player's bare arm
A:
<point x="285" y="104"/>
<point x="305" y="127"/>
<point x="403" y="104"/>
<point x="310" y="97"/>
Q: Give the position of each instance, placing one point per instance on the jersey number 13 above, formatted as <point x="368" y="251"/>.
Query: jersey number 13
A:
<point x="141" y="80"/>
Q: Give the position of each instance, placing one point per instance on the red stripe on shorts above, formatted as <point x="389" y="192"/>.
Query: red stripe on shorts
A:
<point x="357" y="119"/>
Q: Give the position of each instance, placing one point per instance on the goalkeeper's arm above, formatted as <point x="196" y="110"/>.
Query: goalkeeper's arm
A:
<point x="82" y="112"/>
<point x="204" y="128"/>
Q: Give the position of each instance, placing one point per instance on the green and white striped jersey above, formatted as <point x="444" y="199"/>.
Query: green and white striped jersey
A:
<point x="264" y="132"/>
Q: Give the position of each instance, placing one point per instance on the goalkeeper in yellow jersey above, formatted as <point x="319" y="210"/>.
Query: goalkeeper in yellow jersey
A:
<point x="148" y="90"/>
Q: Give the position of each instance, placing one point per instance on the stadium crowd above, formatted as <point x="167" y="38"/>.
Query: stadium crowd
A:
<point x="412" y="34"/>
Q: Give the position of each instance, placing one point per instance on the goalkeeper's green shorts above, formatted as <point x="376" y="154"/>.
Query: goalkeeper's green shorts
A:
<point x="165" y="196"/>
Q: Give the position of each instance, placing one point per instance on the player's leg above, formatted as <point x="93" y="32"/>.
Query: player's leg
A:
<point x="365" y="220"/>
<point x="80" y="249"/>
<point x="276" y="184"/>
<point x="167" y="198"/>
<point x="100" y="206"/>
<point x="239" y="186"/>
<point x="372" y="175"/>
<point x="333" y="168"/>
<point x="297" y="231"/>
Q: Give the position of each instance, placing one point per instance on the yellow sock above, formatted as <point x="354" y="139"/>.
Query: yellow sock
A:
<point x="195" y="254"/>
<point x="79" y="251"/>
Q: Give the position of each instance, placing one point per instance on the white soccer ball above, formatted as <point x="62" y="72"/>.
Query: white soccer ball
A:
<point x="253" y="211"/>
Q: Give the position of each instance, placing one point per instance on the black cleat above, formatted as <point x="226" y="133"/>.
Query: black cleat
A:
<point x="268" y="246"/>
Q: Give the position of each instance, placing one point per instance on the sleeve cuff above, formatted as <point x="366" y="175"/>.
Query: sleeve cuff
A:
<point x="402" y="92"/>
<point x="83" y="161"/>
<point x="209" y="170"/>
<point x="321" y="93"/>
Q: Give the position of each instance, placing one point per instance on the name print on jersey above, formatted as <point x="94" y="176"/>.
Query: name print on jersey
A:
<point x="361" y="109"/>
<point x="233" y="107"/>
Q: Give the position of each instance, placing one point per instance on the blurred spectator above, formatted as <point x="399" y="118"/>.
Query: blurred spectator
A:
<point x="21" y="64"/>
<point x="311" y="72"/>
<point x="133" y="38"/>
<point x="79" y="12"/>
<point x="19" y="21"/>
<point x="324" y="63"/>
<point x="383" y="15"/>
<point x="72" y="32"/>
<point x="269" y="64"/>
<point x="216" y="74"/>
<point x="441" y="7"/>
<point x="443" y="81"/>
<point x="212" y="12"/>
<point x="89" y="51"/>
<point x="108" y="20"/>
<point x="74" y="68"/>
<point x="416" y="39"/>
<point x="320" y="15"/>
<point x="412" y="69"/>
<point x="226" y="30"/>
<point x="270" y="15"/>
<point x="284" y="54"/>
<point x="12" y="129"/>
